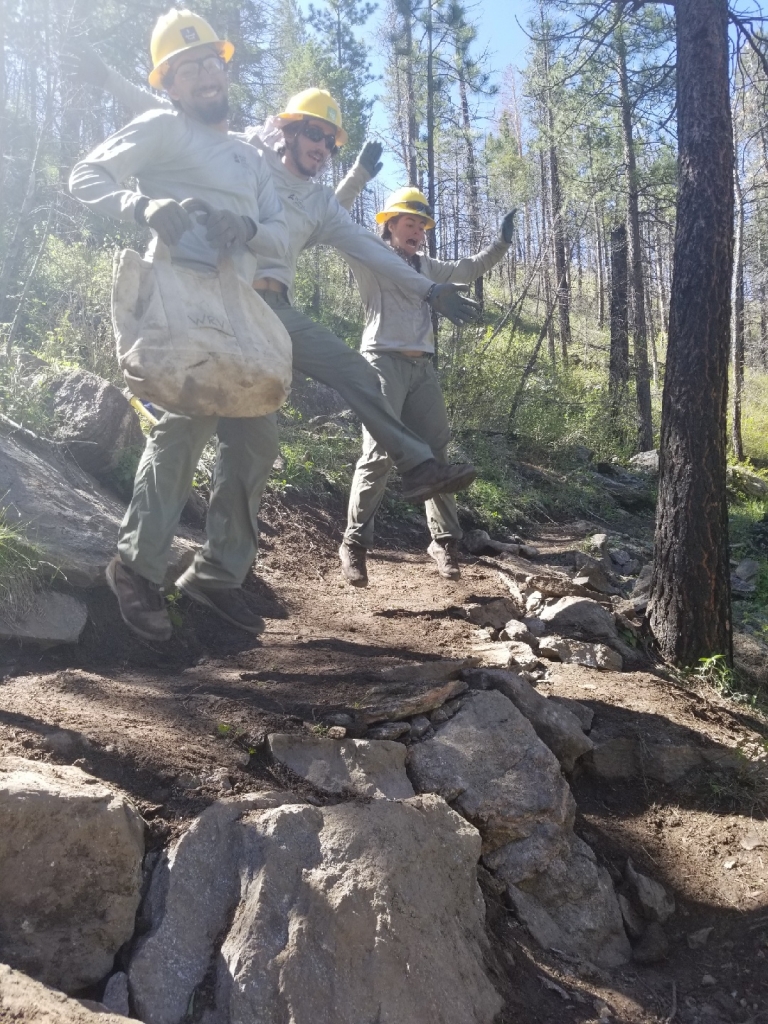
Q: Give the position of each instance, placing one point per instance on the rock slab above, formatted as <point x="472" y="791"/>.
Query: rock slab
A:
<point x="54" y="618"/>
<point x="25" y="1001"/>
<point x="350" y="913"/>
<point x="71" y="851"/>
<point x="369" y="768"/>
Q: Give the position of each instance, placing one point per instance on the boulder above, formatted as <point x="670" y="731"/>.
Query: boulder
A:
<point x="576" y="652"/>
<point x="646" y="463"/>
<point x="592" y="573"/>
<point x="488" y="762"/>
<point x="66" y="515"/>
<point x="518" y="631"/>
<point x="96" y="421"/>
<point x="360" y="767"/>
<point x="564" y="898"/>
<point x="71" y="850"/>
<point x="582" y="712"/>
<point x="116" y="998"/>
<point x="749" y="483"/>
<point x="25" y="1001"/>
<point x="384" y="706"/>
<point x="581" y="618"/>
<point x="556" y="726"/>
<point x="54" y="618"/>
<point x="349" y="913"/>
<point x="495" y="613"/>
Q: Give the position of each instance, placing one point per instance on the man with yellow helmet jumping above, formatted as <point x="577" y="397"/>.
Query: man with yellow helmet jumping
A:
<point x="398" y="343"/>
<point x="297" y="145"/>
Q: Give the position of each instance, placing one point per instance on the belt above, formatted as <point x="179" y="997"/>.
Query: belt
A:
<point x="269" y="284"/>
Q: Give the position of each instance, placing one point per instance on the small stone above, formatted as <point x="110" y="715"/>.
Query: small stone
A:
<point x="517" y="630"/>
<point x="388" y="730"/>
<point x="534" y="601"/>
<point x="698" y="939"/>
<point x="115" y="996"/>
<point x="656" y="903"/>
<point x="707" y="981"/>
<point x="495" y="613"/>
<point x="598" y="542"/>
<point x="529" y="551"/>
<point x="337" y="732"/>
<point x="439" y="716"/>
<point x="632" y="921"/>
<point x="241" y="757"/>
<point x="730" y="863"/>
<point x="219" y="779"/>
<point x="747" y="570"/>
<point x="188" y="781"/>
<point x="419" y="725"/>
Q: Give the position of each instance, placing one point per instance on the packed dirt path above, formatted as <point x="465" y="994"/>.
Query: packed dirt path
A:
<point x="168" y="724"/>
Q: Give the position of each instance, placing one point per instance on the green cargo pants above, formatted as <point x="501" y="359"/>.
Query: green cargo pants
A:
<point x="247" y="449"/>
<point x="414" y="392"/>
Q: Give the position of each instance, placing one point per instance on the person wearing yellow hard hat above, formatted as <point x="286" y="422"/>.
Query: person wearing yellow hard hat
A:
<point x="297" y="145"/>
<point x="174" y="154"/>
<point x="399" y="344"/>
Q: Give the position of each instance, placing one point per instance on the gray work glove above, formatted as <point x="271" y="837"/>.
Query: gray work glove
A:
<point x="165" y="216"/>
<point x="226" y="230"/>
<point x="369" y="158"/>
<point x="508" y="227"/>
<point x="84" y="64"/>
<point x="448" y="301"/>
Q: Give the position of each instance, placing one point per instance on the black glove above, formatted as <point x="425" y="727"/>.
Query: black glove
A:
<point x="165" y="216"/>
<point x="369" y="158"/>
<point x="508" y="227"/>
<point x="84" y="64"/>
<point x="448" y="300"/>
<point x="226" y="230"/>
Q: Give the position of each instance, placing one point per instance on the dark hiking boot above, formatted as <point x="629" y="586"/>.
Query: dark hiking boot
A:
<point x="353" y="564"/>
<point x="446" y="555"/>
<point x="141" y="604"/>
<point x="432" y="477"/>
<point x="229" y="603"/>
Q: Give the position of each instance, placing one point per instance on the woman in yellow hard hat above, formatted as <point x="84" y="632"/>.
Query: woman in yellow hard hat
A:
<point x="399" y="343"/>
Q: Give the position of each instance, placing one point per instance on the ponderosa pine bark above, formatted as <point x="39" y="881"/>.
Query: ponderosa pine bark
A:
<point x="689" y="609"/>
<point x="618" y="369"/>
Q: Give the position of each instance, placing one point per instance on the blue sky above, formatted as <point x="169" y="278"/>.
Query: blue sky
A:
<point x="498" y="33"/>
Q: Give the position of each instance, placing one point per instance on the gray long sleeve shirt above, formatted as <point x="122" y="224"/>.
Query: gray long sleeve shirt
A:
<point x="312" y="211"/>
<point x="173" y="156"/>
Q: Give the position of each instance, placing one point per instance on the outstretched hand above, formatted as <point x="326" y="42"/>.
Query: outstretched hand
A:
<point x="508" y="227"/>
<point x="369" y="157"/>
<point x="448" y="300"/>
<point x="83" y="64"/>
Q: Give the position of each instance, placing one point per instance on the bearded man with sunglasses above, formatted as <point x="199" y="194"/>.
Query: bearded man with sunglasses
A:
<point x="297" y="144"/>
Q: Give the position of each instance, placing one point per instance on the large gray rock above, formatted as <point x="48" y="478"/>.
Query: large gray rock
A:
<point x="488" y="762"/>
<point x="70" y="519"/>
<point x="25" y="1001"/>
<point x="54" y="618"/>
<point x="564" y="899"/>
<point x="580" y="617"/>
<point x="554" y="724"/>
<point x="351" y="913"/>
<point x="71" y="852"/>
<point x="577" y="652"/>
<point x="96" y="421"/>
<point x="370" y="768"/>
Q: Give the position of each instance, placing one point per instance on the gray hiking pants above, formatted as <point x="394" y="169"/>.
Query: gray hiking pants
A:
<point x="414" y="392"/>
<point x="247" y="448"/>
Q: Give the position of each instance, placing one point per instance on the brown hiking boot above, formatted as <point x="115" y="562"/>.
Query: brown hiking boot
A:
<point x="353" y="564"/>
<point x="446" y="555"/>
<point x="229" y="603"/>
<point x="141" y="604"/>
<point x="432" y="477"/>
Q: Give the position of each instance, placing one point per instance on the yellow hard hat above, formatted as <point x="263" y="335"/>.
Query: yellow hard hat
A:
<point x="406" y="200"/>
<point x="176" y="32"/>
<point x="317" y="103"/>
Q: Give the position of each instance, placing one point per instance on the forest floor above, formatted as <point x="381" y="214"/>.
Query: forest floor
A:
<point x="157" y="720"/>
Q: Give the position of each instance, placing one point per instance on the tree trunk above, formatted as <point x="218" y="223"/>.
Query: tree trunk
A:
<point x="618" y="371"/>
<point x="639" y="336"/>
<point x="737" y="321"/>
<point x="689" y="610"/>
<point x="546" y="234"/>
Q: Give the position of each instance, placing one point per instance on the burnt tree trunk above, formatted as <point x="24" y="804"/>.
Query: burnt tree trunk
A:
<point x="618" y="371"/>
<point x="689" y="609"/>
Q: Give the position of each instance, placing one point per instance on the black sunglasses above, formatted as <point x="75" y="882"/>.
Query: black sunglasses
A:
<point x="420" y="208"/>
<point x="315" y="133"/>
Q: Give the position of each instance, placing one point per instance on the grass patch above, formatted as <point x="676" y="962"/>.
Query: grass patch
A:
<point x="19" y="572"/>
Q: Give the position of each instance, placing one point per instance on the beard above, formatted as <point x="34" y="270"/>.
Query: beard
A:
<point x="293" y="148"/>
<point x="210" y="111"/>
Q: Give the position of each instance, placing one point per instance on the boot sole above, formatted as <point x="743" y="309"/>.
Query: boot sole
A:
<point x="199" y="597"/>
<point x="426" y="492"/>
<point x="154" y="637"/>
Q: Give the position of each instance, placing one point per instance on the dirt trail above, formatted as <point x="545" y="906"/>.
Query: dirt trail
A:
<point x="159" y="721"/>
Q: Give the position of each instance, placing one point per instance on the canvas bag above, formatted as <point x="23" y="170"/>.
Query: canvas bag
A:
<point x="197" y="342"/>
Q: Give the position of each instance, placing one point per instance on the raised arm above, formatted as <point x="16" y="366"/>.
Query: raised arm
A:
<point x="133" y="96"/>
<point x="365" y="168"/>
<point x="466" y="270"/>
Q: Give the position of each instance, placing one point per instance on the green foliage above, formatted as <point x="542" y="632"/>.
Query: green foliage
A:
<point x="24" y="393"/>
<point x="20" y="573"/>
